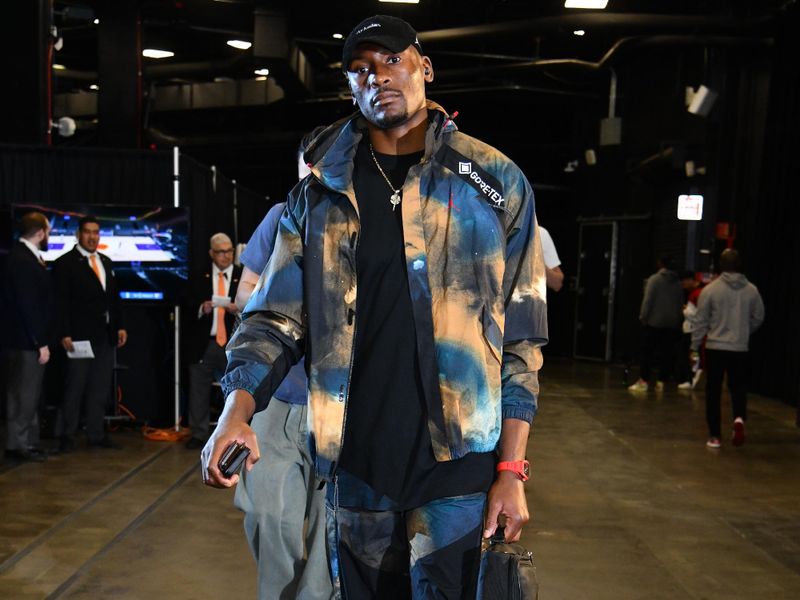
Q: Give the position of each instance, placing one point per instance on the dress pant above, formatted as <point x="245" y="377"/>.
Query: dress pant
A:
<point x="718" y="362"/>
<point x="88" y="386"/>
<point x="211" y="368"/>
<point x="24" y="376"/>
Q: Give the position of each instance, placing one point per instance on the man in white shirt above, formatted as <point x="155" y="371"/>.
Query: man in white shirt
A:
<point x="215" y="310"/>
<point x="26" y="333"/>
<point x="552" y="264"/>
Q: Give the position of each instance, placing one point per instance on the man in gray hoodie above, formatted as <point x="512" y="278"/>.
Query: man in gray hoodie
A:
<point x="728" y="311"/>
<point x="661" y="316"/>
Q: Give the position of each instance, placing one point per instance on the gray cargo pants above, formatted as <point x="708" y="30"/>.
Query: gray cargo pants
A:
<point x="284" y="512"/>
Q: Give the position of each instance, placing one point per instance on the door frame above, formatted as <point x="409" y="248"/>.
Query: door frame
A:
<point x="612" y="285"/>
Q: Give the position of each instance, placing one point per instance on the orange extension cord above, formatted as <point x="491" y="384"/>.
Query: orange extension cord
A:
<point x="165" y="434"/>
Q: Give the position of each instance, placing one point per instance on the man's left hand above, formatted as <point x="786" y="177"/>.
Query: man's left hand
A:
<point x="122" y="338"/>
<point x="507" y="498"/>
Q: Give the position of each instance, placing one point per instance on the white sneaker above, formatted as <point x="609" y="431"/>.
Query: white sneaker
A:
<point x="686" y="385"/>
<point x="639" y="386"/>
<point x="714" y="443"/>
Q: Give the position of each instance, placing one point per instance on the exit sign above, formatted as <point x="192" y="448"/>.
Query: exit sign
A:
<point x="690" y="207"/>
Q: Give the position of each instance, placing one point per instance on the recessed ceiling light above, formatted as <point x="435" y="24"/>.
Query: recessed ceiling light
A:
<point x="401" y="1"/>
<point x="338" y="36"/>
<point x="94" y="87"/>
<point x="239" y="44"/>
<point x="58" y="67"/>
<point x="97" y="21"/>
<point x="597" y="4"/>
<point x="261" y="78"/>
<point x="579" y="32"/>
<point x="153" y="53"/>
<point x="263" y="72"/>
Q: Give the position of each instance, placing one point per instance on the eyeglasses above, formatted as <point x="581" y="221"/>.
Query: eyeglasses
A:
<point x="228" y="251"/>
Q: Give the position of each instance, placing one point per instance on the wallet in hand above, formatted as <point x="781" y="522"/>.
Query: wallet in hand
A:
<point x="232" y="459"/>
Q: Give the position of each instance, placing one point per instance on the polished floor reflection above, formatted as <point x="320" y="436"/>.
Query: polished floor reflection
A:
<point x="626" y="503"/>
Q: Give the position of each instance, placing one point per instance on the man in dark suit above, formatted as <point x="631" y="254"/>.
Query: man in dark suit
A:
<point x="26" y="334"/>
<point x="215" y="319"/>
<point x="88" y="308"/>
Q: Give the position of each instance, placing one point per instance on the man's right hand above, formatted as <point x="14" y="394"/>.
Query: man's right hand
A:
<point x="207" y="307"/>
<point x="44" y="355"/>
<point x="67" y="344"/>
<point x="231" y="427"/>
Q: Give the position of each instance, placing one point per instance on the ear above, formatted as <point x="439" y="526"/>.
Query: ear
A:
<point x="427" y="69"/>
<point x="211" y="253"/>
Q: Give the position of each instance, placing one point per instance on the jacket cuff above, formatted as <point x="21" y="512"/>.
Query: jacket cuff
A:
<point x="518" y="412"/>
<point x="238" y="381"/>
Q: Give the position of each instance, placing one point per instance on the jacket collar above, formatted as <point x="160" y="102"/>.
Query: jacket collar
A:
<point x="332" y="152"/>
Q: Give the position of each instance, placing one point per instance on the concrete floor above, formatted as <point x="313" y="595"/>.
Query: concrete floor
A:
<point x="626" y="503"/>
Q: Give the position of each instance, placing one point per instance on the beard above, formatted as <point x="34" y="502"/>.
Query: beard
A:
<point x="380" y="119"/>
<point x="389" y="121"/>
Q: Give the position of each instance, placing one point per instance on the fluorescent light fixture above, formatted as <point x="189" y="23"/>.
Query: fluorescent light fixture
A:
<point x="338" y="36"/>
<point x="597" y="4"/>
<point x="401" y="1"/>
<point x="58" y="67"/>
<point x="263" y="72"/>
<point x="239" y="44"/>
<point x="97" y="21"/>
<point x="690" y="207"/>
<point x="153" y="53"/>
<point x="261" y="78"/>
<point x="579" y="32"/>
<point x="94" y="87"/>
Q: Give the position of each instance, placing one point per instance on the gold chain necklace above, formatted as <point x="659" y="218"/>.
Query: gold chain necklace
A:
<point x="395" y="197"/>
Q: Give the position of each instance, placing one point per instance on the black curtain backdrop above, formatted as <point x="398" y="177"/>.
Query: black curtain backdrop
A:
<point x="67" y="176"/>
<point x="765" y="229"/>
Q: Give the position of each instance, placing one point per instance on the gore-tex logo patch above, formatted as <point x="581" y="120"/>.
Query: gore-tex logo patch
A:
<point x="470" y="172"/>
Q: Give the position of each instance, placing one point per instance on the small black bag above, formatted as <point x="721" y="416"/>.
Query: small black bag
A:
<point x="507" y="571"/>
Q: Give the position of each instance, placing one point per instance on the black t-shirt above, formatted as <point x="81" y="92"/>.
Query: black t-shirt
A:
<point x="387" y="444"/>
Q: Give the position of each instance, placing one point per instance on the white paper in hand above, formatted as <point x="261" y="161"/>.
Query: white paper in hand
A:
<point x="220" y="301"/>
<point x="81" y="349"/>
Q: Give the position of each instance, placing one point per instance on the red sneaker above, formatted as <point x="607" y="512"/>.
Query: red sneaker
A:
<point x="714" y="443"/>
<point x="738" y="432"/>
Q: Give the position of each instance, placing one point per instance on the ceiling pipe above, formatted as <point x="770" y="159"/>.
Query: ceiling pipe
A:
<point x="609" y="56"/>
<point x="629" y="22"/>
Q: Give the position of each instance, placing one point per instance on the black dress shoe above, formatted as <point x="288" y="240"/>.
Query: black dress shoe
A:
<point x="66" y="445"/>
<point x="195" y="444"/>
<point x="31" y="455"/>
<point x="105" y="442"/>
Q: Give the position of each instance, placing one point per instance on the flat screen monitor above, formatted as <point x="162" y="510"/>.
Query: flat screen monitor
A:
<point x="148" y="244"/>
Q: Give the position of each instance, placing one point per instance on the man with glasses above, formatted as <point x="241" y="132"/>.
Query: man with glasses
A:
<point x="213" y="301"/>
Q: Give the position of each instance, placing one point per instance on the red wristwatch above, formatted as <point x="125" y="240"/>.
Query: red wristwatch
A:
<point x="521" y="467"/>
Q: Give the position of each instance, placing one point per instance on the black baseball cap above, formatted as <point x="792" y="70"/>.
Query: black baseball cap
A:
<point x="390" y="32"/>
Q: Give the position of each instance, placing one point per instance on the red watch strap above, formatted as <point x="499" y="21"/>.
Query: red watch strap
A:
<point x="520" y="467"/>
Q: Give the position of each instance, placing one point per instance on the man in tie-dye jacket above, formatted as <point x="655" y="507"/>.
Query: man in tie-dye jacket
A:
<point x="468" y="344"/>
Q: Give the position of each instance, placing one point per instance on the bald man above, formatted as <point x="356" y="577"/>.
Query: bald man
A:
<point x="215" y="314"/>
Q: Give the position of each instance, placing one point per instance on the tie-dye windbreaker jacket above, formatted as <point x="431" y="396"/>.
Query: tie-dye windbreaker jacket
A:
<point x="476" y="278"/>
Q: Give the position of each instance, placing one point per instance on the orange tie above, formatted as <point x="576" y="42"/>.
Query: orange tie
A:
<point x="222" y="334"/>
<point x="93" y="260"/>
